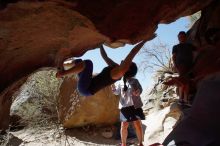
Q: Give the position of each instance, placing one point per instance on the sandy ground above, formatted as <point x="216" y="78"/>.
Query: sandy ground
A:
<point x="56" y="136"/>
<point x="156" y="127"/>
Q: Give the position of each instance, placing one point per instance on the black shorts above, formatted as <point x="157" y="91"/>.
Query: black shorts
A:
<point x="183" y="69"/>
<point x="129" y="114"/>
<point x="139" y="112"/>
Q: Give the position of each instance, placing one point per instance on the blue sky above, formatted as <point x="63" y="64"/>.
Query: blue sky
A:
<point x="167" y="33"/>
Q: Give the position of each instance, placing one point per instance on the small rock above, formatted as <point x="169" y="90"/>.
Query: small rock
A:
<point x="107" y="133"/>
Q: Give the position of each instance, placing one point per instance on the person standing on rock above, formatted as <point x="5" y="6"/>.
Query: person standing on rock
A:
<point x="88" y="84"/>
<point x="130" y="105"/>
<point x="182" y="55"/>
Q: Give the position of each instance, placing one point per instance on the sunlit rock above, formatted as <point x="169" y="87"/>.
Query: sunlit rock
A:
<point x="76" y="110"/>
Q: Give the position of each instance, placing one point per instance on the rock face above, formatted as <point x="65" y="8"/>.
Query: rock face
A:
<point x="36" y="99"/>
<point x="202" y="122"/>
<point x="30" y="31"/>
<point x="76" y="110"/>
<point x="39" y="98"/>
<point x="6" y="101"/>
<point x="30" y="36"/>
<point x="160" y="123"/>
<point x="135" y="20"/>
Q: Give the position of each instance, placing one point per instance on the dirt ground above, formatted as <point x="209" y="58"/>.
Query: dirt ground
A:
<point x="57" y="136"/>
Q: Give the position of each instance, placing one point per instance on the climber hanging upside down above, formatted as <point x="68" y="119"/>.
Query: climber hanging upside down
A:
<point x="88" y="84"/>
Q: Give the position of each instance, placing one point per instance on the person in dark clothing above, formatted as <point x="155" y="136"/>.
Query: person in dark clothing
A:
<point x="88" y="84"/>
<point x="182" y="55"/>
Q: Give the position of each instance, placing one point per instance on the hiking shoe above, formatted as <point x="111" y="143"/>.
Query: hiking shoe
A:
<point x="70" y="63"/>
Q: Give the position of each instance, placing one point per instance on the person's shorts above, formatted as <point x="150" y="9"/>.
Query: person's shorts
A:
<point x="140" y="113"/>
<point x="129" y="114"/>
<point x="183" y="69"/>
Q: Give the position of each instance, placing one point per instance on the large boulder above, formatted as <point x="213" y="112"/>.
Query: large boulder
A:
<point x="160" y="122"/>
<point x="33" y="30"/>
<point x="32" y="34"/>
<point x="36" y="100"/>
<point x="39" y="100"/>
<point x="201" y="125"/>
<point x="76" y="110"/>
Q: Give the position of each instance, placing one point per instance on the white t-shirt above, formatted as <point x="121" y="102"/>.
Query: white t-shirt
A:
<point x="126" y="97"/>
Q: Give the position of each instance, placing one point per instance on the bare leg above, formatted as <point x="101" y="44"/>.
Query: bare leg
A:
<point x="139" y="131"/>
<point x="124" y="133"/>
<point x="186" y="93"/>
<point x="120" y="70"/>
<point x="181" y="94"/>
